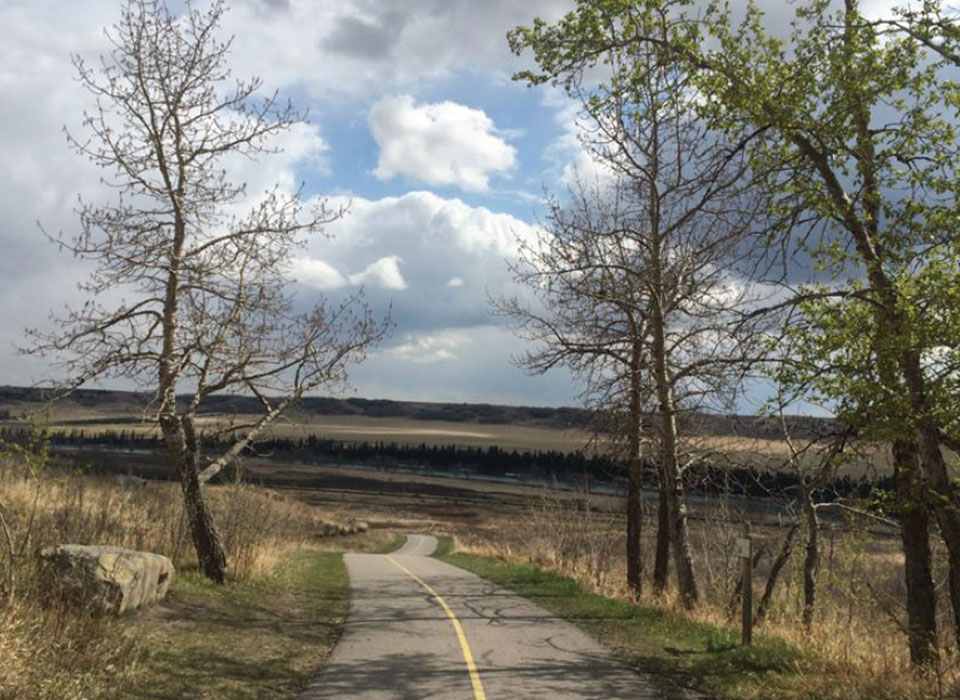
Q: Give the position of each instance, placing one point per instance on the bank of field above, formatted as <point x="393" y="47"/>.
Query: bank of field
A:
<point x="287" y="591"/>
<point x="404" y="431"/>
<point x="723" y="450"/>
<point x="737" y="441"/>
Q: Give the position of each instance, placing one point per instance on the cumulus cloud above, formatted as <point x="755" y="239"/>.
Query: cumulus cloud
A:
<point x="440" y="144"/>
<point x="435" y="237"/>
<point x="385" y="272"/>
<point x="571" y="161"/>
<point x="432" y="260"/>
<point x="360" y="48"/>
<point x="431" y="348"/>
<point x="479" y="369"/>
<point x="405" y="250"/>
<point x="317" y="274"/>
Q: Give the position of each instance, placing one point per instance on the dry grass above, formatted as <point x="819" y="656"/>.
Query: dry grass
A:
<point x="857" y="645"/>
<point x="857" y="641"/>
<point x="54" y="653"/>
<point x="405" y="431"/>
<point x="51" y="651"/>
<point x="758" y="452"/>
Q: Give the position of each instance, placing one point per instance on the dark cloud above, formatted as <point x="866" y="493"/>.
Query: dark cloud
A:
<point x="363" y="39"/>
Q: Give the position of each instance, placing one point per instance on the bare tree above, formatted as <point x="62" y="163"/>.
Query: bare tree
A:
<point x="673" y="242"/>
<point x="642" y="280"/>
<point x="586" y="318"/>
<point x="813" y="461"/>
<point x="209" y="307"/>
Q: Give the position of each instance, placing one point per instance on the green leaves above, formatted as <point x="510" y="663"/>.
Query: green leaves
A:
<point x="850" y="126"/>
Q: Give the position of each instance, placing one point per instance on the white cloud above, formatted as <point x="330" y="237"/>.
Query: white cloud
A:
<point x="571" y="160"/>
<point x="316" y="274"/>
<point x="440" y="144"/>
<point x="319" y="274"/>
<point x="424" y="231"/>
<point x="459" y="363"/>
<point x="406" y="250"/>
<point x="455" y="282"/>
<point x="385" y="272"/>
<point x="301" y="147"/>
<point x="416" y="243"/>
<point x="431" y="348"/>
<point x="367" y="47"/>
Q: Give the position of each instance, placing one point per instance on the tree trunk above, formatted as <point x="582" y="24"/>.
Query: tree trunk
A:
<point x="677" y="509"/>
<point x="179" y="434"/>
<point x="948" y="518"/>
<point x="811" y="559"/>
<point x="778" y="565"/>
<point x="673" y="479"/>
<point x="634" y="528"/>
<point x="914" y="527"/>
<point x="917" y="460"/>
<point x="635" y="483"/>
<point x="940" y="490"/>
<point x="661" y="566"/>
<point x="210" y="554"/>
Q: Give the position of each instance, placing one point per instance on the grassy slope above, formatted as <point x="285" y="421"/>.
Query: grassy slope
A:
<point x="677" y="653"/>
<point x="264" y="639"/>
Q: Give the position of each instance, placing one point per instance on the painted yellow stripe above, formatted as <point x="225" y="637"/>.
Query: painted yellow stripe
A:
<point x="478" y="693"/>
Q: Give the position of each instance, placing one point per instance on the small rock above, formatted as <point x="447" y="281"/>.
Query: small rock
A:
<point x="109" y="579"/>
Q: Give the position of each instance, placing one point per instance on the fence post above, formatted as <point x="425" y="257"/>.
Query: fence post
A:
<point x="745" y="552"/>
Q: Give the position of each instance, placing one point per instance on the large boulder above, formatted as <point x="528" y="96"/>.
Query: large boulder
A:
<point x="108" y="579"/>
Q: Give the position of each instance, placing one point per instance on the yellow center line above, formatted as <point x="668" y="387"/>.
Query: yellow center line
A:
<point x="478" y="693"/>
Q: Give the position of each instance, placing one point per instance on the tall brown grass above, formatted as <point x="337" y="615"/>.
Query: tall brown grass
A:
<point x="49" y="650"/>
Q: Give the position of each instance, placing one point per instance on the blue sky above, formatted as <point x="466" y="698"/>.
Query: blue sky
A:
<point x="414" y="123"/>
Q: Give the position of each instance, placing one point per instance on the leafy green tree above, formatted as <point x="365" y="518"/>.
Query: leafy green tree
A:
<point x="852" y="124"/>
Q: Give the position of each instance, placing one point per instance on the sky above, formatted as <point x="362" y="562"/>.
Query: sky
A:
<point x="415" y="127"/>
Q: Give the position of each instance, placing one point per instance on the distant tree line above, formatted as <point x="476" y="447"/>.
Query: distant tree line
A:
<point x="552" y="466"/>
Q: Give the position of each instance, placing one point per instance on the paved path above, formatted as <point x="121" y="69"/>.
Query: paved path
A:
<point x="419" y="628"/>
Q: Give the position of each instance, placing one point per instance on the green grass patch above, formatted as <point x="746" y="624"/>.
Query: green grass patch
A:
<point x="262" y="639"/>
<point x="445" y="546"/>
<point x="677" y="653"/>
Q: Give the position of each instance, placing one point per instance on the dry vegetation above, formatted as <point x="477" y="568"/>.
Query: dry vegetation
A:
<point x="856" y="648"/>
<point x="51" y="651"/>
<point x="744" y="451"/>
<point x="857" y="645"/>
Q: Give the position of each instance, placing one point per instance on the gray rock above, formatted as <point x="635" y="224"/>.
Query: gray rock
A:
<point x="108" y="579"/>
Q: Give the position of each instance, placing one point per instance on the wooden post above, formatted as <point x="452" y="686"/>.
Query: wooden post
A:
<point x="745" y="552"/>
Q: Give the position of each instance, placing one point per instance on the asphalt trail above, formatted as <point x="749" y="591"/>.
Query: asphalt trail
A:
<point x="419" y="628"/>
